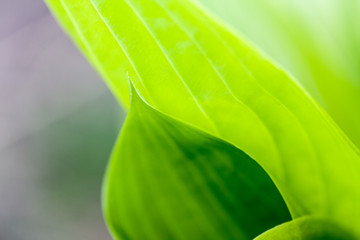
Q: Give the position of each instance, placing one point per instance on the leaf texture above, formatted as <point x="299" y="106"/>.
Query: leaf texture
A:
<point x="192" y="68"/>
<point x="167" y="180"/>
<point x="317" y="41"/>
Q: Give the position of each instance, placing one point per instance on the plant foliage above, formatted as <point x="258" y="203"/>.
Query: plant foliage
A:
<point x="189" y="66"/>
<point x="180" y="183"/>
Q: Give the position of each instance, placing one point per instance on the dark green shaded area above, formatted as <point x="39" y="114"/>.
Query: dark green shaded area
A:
<point x="167" y="180"/>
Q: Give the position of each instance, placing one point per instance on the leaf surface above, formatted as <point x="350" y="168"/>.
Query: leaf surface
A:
<point x="167" y="180"/>
<point x="317" y="41"/>
<point x="306" y="228"/>
<point x="192" y="68"/>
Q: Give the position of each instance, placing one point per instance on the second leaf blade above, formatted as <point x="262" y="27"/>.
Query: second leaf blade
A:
<point x="167" y="180"/>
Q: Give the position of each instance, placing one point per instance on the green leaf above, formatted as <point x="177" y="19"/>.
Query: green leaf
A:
<point x="306" y="228"/>
<point x="168" y="180"/>
<point x="192" y="68"/>
<point x="103" y="54"/>
<point x="317" y="41"/>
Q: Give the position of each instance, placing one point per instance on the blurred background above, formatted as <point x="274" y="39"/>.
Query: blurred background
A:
<point x="58" y="120"/>
<point x="58" y="123"/>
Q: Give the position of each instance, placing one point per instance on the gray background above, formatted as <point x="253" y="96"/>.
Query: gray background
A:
<point x="58" y="123"/>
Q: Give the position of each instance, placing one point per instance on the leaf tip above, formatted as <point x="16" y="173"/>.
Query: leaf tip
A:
<point x="135" y="96"/>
